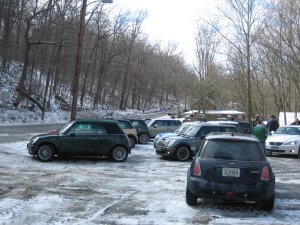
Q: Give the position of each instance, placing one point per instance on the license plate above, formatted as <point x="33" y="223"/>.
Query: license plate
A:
<point x="230" y="172"/>
<point x="275" y="147"/>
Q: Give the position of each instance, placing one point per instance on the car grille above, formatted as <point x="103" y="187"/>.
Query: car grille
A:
<point x="276" y="143"/>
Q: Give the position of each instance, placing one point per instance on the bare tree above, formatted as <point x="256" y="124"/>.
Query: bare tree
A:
<point x="241" y="26"/>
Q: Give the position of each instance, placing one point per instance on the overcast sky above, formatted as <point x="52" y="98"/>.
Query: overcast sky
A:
<point x="171" y="20"/>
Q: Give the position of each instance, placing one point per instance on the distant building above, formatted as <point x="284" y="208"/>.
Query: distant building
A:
<point x="216" y="115"/>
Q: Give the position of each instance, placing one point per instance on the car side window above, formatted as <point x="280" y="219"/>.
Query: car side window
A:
<point x="122" y="124"/>
<point x="206" y="130"/>
<point x="100" y="129"/>
<point x="82" y="129"/>
<point x="158" y="123"/>
<point x="135" y="123"/>
<point x="174" y="123"/>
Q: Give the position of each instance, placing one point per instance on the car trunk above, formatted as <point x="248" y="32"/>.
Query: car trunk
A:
<point x="231" y="171"/>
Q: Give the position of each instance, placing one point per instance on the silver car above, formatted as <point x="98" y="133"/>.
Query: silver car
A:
<point x="285" y="140"/>
<point x="157" y="126"/>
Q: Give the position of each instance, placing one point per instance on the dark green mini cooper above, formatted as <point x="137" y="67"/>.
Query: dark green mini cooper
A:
<point x="82" y="138"/>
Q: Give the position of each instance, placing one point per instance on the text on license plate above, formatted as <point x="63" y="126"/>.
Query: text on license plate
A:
<point x="230" y="172"/>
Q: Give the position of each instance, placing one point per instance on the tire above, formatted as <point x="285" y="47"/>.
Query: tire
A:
<point x="45" y="152"/>
<point x="182" y="153"/>
<point x="144" y="139"/>
<point x="119" y="154"/>
<point x="268" y="205"/>
<point x="131" y="141"/>
<point x="298" y="156"/>
<point x="190" y="198"/>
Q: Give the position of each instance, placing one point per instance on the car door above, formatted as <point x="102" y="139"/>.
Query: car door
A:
<point x="104" y="140"/>
<point x="80" y="139"/>
<point x="159" y="126"/>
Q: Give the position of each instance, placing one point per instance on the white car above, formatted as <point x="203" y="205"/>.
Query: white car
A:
<point x="286" y="140"/>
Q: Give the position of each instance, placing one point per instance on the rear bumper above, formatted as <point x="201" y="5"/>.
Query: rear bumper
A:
<point x="260" y="191"/>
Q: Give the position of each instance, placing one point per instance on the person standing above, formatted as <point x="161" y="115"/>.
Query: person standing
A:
<point x="260" y="131"/>
<point x="296" y="122"/>
<point x="272" y="124"/>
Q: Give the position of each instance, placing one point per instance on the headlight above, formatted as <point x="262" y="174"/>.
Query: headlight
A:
<point x="290" y="143"/>
<point x="170" y="142"/>
<point x="33" y="140"/>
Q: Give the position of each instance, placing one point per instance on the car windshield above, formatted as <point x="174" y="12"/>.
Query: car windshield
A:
<point x="65" y="127"/>
<point x="190" y="131"/>
<point x="231" y="150"/>
<point x="181" y="128"/>
<point x="288" y="130"/>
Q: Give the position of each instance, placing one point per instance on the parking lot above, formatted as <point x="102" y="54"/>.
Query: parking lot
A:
<point x="145" y="189"/>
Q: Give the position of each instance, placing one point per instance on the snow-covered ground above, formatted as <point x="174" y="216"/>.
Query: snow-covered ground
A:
<point x="144" y="189"/>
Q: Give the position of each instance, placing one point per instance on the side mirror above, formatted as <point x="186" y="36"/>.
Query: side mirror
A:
<point x="72" y="134"/>
<point x="155" y="126"/>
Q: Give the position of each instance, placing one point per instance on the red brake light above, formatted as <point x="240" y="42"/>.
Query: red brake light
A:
<point x="197" y="169"/>
<point x="265" y="175"/>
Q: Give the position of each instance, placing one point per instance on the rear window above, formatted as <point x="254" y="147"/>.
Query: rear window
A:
<point x="125" y="124"/>
<point x="232" y="150"/>
<point x="113" y="129"/>
<point x="138" y="123"/>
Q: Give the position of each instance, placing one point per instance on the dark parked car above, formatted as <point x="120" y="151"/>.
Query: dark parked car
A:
<point x="142" y="130"/>
<point x="82" y="138"/>
<point x="231" y="167"/>
<point x="244" y="127"/>
<point x="186" y="145"/>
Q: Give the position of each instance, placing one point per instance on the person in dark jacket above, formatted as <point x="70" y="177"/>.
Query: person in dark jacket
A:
<point x="272" y="124"/>
<point x="260" y="131"/>
<point x="296" y="122"/>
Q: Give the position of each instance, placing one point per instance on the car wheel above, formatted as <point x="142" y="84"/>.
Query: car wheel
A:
<point x="182" y="153"/>
<point x="131" y="142"/>
<point x="190" y="198"/>
<point x="119" y="154"/>
<point x="298" y="153"/>
<point x="45" y="152"/>
<point x="144" y="138"/>
<point x="268" y="205"/>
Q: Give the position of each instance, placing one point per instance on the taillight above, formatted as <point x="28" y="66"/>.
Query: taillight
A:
<point x="265" y="175"/>
<point x="197" y="169"/>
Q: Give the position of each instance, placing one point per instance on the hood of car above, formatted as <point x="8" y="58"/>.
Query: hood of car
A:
<point x="282" y="138"/>
<point x="178" y="138"/>
<point x="46" y="135"/>
<point x="167" y="134"/>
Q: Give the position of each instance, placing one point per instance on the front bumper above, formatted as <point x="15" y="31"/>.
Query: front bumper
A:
<point x="31" y="149"/>
<point x="164" y="151"/>
<point x="260" y="191"/>
<point x="282" y="149"/>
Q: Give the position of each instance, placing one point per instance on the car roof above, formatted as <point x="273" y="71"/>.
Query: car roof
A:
<point x="291" y="126"/>
<point x="95" y="121"/>
<point x="212" y="125"/>
<point x="223" y="122"/>
<point x="231" y="136"/>
<point x="165" y="119"/>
